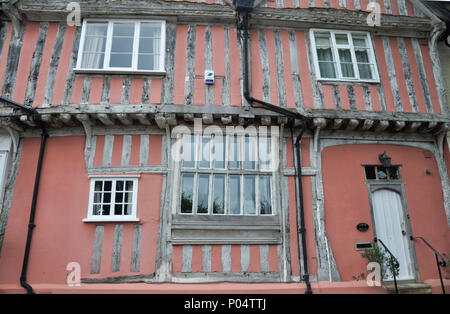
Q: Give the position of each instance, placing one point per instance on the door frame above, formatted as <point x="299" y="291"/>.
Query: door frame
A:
<point x="397" y="186"/>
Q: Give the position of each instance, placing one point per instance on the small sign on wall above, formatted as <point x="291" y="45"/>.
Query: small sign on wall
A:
<point x="209" y="77"/>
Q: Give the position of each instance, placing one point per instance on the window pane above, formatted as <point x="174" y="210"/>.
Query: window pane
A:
<point x="341" y="39"/>
<point x="264" y="153"/>
<point x="118" y="209"/>
<point x="106" y="209"/>
<point x="97" y="198"/>
<point x="106" y="197"/>
<point x="107" y="186"/>
<point x="205" y="152"/>
<point x="98" y="186"/>
<point x="359" y="41"/>
<point x="119" y="185"/>
<point x="148" y="45"/>
<point x="203" y="192"/>
<point x="94" y="46"/>
<point x="249" y="195"/>
<point x="345" y="59"/>
<point x="123" y="29"/>
<point x="219" y="152"/>
<point x="121" y="60"/>
<point x="235" y="195"/>
<point x="97" y="210"/>
<point x="122" y="44"/>
<point x="265" y="195"/>
<point x="151" y="30"/>
<point x="127" y="209"/>
<point x="234" y="152"/>
<point x="129" y="186"/>
<point x="119" y="197"/>
<point x="187" y="187"/>
<point x="148" y="62"/>
<point x="250" y="147"/>
<point x="188" y="151"/>
<point x="322" y="39"/>
<point x="219" y="193"/>
<point x="365" y="71"/>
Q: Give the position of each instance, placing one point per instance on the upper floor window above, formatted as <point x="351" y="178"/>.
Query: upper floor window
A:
<point x="343" y="55"/>
<point x="122" y="46"/>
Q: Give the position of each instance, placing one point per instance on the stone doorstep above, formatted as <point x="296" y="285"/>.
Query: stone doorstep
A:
<point x="409" y="288"/>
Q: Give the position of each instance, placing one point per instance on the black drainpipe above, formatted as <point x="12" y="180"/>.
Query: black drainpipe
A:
<point x="31" y="225"/>
<point x="243" y="9"/>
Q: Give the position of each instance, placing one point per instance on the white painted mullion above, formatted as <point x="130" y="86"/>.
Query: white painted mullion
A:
<point x="353" y="54"/>
<point x="241" y="178"/>
<point x="91" y="199"/>
<point x="257" y="196"/>
<point x="226" y="196"/>
<point x="162" y="46"/>
<point x="81" y="48"/>
<point x="195" y="194"/>
<point x="108" y="45"/>
<point x="112" y="204"/>
<point x="137" y="32"/>
<point x="210" y="194"/>
<point x="135" y="193"/>
<point x="335" y="52"/>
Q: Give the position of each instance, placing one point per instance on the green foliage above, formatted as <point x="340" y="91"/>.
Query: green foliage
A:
<point x="379" y="255"/>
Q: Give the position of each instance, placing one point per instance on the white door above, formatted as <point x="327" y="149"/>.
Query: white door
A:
<point x="390" y="226"/>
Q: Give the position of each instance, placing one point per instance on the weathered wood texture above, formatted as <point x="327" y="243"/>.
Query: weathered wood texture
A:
<point x="42" y="73"/>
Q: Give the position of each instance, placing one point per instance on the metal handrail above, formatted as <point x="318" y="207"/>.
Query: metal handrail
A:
<point x="438" y="256"/>
<point x="397" y="264"/>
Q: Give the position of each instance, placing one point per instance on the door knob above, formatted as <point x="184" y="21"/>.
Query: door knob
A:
<point x="403" y="232"/>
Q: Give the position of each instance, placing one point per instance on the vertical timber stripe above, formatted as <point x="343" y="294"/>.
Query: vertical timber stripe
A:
<point x="87" y="83"/>
<point x="126" y="87"/>
<point x="279" y="57"/>
<point x="245" y="258"/>
<point x="408" y="75"/>
<point x="226" y="80"/>
<point x="167" y="90"/>
<point x="226" y="258"/>
<point x="97" y="250"/>
<point x="12" y="64"/>
<point x="51" y="76"/>
<point x="264" y="257"/>
<point x="296" y="79"/>
<point x="206" y="258"/>
<point x="422" y="75"/>
<point x="70" y="78"/>
<point x="146" y="90"/>
<point x="108" y="150"/>
<point x="36" y="64"/>
<point x="136" y="250"/>
<point x="186" y="264"/>
<point x="265" y="65"/>
<point x="190" y="64"/>
<point x="126" y="151"/>
<point x="209" y="89"/>
<point x="392" y="76"/>
<point x="117" y="248"/>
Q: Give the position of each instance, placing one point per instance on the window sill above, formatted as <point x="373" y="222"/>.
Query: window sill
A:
<point x="344" y="81"/>
<point x="119" y="72"/>
<point x="118" y="219"/>
<point x="205" y="229"/>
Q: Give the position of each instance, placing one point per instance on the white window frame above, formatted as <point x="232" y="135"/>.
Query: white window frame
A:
<point x="334" y="49"/>
<point x="112" y="217"/>
<point x="227" y="172"/>
<point x="106" y="68"/>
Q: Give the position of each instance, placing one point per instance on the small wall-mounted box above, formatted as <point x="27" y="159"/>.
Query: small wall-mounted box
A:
<point x="209" y="77"/>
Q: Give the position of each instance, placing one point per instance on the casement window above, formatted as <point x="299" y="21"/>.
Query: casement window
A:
<point x="112" y="199"/>
<point x="230" y="177"/>
<point x="122" y="46"/>
<point x="225" y="190"/>
<point x="343" y="55"/>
